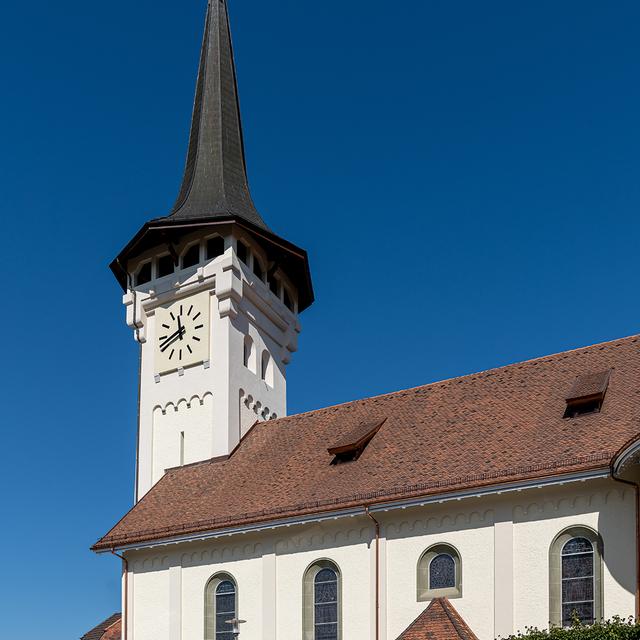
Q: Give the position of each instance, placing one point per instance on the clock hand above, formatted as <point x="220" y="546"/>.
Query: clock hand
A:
<point x="180" y="328"/>
<point x="167" y="344"/>
<point x="172" y="338"/>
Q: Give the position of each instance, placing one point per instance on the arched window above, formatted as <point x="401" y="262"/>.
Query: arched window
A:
<point x="215" y="247"/>
<point x="266" y="372"/>
<point x="220" y="606"/>
<point x="165" y="266"/>
<point x="575" y="577"/>
<point x="274" y="286"/>
<point x="243" y="252"/>
<point x="144" y="274"/>
<point x="288" y="299"/>
<point x="439" y="573"/>
<point x="322" y="594"/>
<point x="249" y="354"/>
<point x="191" y="256"/>
<point x="257" y="268"/>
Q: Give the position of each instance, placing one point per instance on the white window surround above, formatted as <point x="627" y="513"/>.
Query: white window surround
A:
<point x="210" y="593"/>
<point x="555" y="570"/>
<point x="425" y="591"/>
<point x="309" y="601"/>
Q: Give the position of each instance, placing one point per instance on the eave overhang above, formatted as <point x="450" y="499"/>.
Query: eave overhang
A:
<point x="293" y="260"/>
<point x="380" y="506"/>
<point x="628" y="456"/>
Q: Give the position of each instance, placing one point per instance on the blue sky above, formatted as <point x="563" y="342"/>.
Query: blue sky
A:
<point x="463" y="174"/>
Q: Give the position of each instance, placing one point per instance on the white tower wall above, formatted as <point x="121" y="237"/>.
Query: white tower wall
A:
<point x="202" y="411"/>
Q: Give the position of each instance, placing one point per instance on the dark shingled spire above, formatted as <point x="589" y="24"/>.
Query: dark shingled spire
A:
<point x="215" y="178"/>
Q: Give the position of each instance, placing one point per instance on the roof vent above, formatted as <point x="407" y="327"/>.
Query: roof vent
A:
<point x="354" y="443"/>
<point x="587" y="394"/>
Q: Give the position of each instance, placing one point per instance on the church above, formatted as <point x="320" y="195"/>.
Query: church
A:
<point x="467" y="509"/>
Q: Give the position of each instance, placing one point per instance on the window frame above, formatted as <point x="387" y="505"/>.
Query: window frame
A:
<point x="186" y="250"/>
<point x="423" y="586"/>
<point x="249" y="354"/>
<point x="209" y="239"/>
<point x="157" y="266"/>
<point x="555" y="571"/>
<point x="266" y="368"/>
<point x="139" y="268"/>
<point x="248" y="253"/>
<point x="308" y="596"/>
<point x="210" y="602"/>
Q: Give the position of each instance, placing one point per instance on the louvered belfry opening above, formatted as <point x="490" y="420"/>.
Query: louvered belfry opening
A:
<point x="352" y="445"/>
<point x="587" y="394"/>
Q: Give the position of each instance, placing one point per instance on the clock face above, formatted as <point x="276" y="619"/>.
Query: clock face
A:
<point x="182" y="333"/>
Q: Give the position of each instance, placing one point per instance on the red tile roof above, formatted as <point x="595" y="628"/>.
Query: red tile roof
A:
<point x="439" y="621"/>
<point x="110" y="629"/>
<point x="503" y="425"/>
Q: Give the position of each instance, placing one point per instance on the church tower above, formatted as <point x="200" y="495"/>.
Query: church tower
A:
<point x="211" y="293"/>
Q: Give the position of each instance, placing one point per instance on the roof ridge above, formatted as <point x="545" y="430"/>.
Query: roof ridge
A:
<point x="464" y="377"/>
<point x="462" y="628"/>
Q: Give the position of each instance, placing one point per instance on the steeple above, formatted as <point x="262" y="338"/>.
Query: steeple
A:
<point x="215" y="178"/>
<point x="214" y="198"/>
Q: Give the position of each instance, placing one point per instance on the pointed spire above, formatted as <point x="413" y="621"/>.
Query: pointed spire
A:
<point x="215" y="178"/>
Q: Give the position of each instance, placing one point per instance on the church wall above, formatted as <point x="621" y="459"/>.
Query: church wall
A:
<point x="194" y="419"/>
<point x="502" y="536"/>
<point x="346" y="545"/>
<point x="150" y="598"/>
<point x="610" y="510"/>
<point x="234" y="396"/>
<point x="244" y="563"/>
<point x="470" y="532"/>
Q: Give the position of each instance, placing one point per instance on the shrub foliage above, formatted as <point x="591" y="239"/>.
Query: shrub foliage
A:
<point x="614" y="629"/>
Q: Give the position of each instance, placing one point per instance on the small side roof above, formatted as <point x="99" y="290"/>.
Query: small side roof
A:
<point x="439" y="621"/>
<point x="109" y="629"/>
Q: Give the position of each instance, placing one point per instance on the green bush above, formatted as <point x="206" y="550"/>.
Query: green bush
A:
<point x="614" y="629"/>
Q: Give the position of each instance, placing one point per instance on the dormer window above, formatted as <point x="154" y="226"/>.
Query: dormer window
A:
<point x="191" y="257"/>
<point x="215" y="247"/>
<point x="165" y="266"/>
<point x="587" y="394"/>
<point x="351" y="447"/>
<point x="144" y="274"/>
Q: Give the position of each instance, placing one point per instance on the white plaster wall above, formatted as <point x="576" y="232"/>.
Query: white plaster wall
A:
<point x="471" y="533"/>
<point x="240" y="304"/>
<point x="168" y="585"/>
<point x="244" y="563"/>
<point x="348" y="547"/>
<point x="610" y="510"/>
<point x="194" y="418"/>
<point x="150" y="600"/>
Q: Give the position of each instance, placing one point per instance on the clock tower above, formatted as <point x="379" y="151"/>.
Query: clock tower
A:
<point x="211" y="293"/>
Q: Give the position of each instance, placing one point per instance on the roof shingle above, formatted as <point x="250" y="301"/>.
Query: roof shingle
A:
<point x="503" y="425"/>
<point x="439" y="621"/>
<point x="109" y="629"/>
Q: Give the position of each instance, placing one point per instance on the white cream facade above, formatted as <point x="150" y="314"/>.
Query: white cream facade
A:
<point x="503" y="541"/>
<point x="201" y="410"/>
